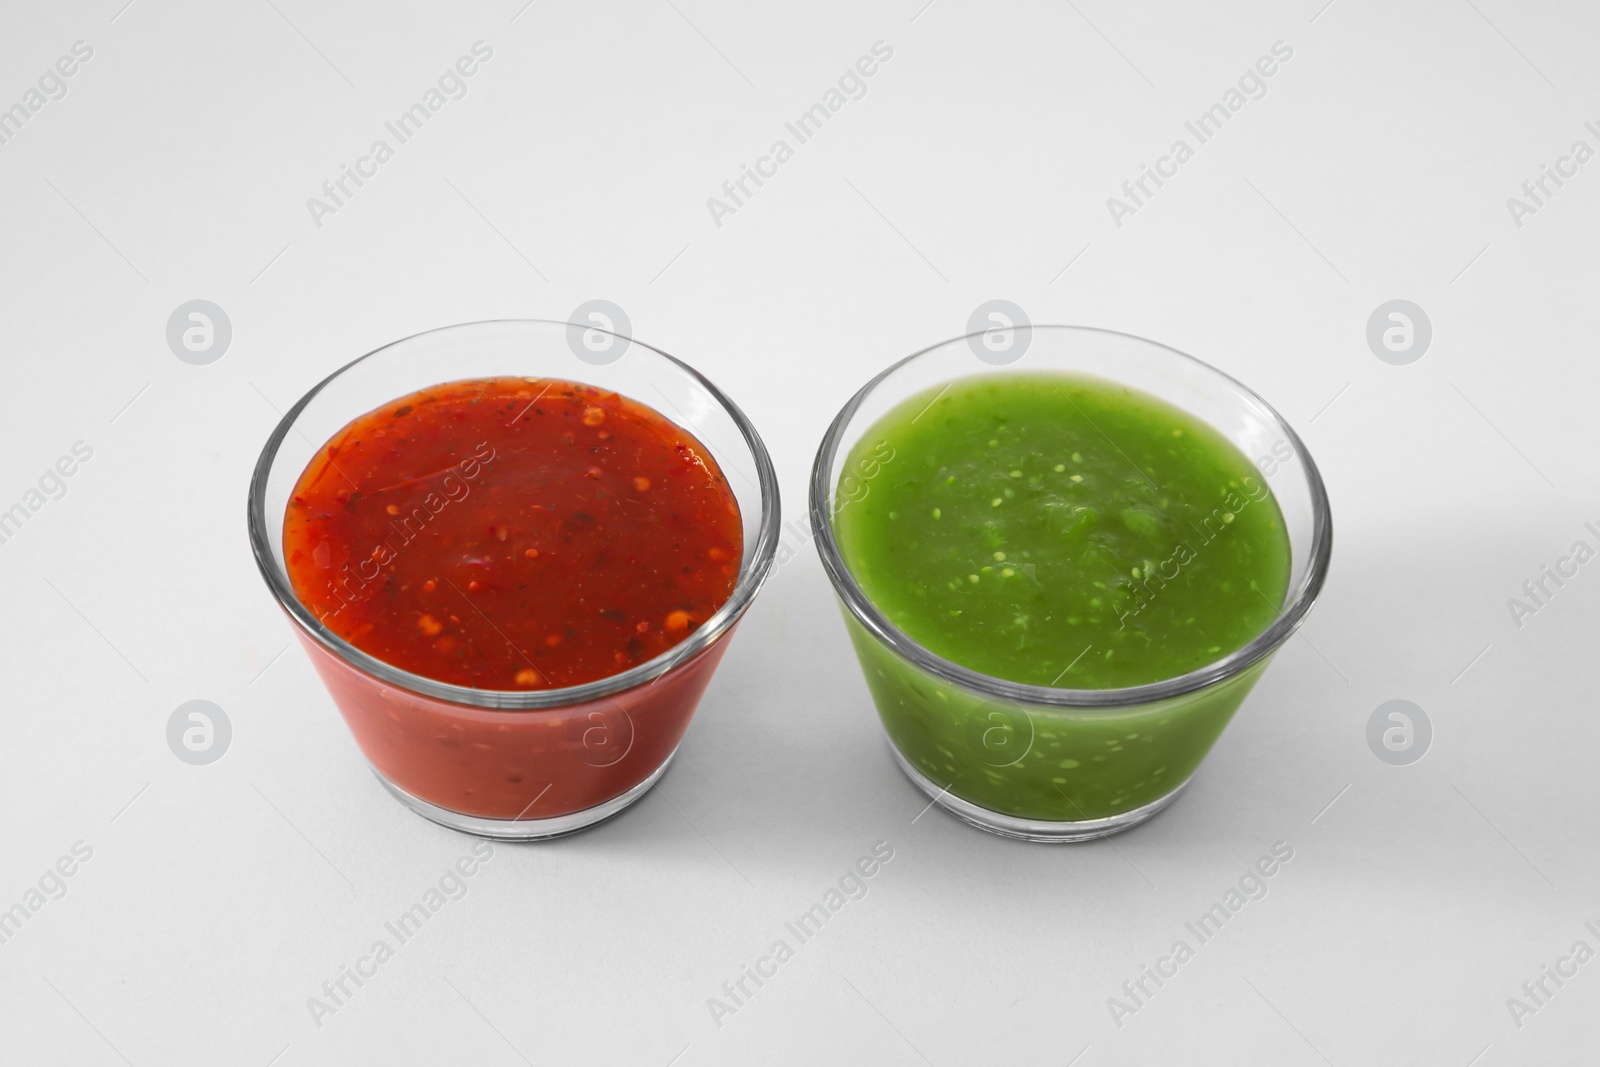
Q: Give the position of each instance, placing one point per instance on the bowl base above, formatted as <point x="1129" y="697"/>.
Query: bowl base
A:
<point x="1045" y="831"/>
<point x="524" y="829"/>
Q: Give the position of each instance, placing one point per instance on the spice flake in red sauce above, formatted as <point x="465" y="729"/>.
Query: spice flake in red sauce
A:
<point x="513" y="533"/>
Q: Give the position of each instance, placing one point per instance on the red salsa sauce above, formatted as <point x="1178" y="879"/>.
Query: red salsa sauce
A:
<point x="513" y="533"/>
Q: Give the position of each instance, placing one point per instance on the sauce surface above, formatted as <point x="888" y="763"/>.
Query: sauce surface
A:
<point x="513" y="533"/>
<point x="1061" y="530"/>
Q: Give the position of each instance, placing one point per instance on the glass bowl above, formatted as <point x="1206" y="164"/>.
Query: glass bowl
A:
<point x="1038" y="762"/>
<point x="522" y="764"/>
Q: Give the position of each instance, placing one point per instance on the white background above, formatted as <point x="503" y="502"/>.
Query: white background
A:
<point x="219" y="898"/>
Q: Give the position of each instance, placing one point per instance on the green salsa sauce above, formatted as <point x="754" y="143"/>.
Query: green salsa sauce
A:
<point x="1057" y="530"/>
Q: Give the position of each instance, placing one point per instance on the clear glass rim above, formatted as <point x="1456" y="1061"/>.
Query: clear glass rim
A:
<point x="753" y="571"/>
<point x="867" y="614"/>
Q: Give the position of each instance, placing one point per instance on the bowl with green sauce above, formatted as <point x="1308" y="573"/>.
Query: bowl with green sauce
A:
<point x="1064" y="573"/>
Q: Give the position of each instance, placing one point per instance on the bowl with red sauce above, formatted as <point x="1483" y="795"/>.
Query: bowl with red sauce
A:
<point x="515" y="552"/>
